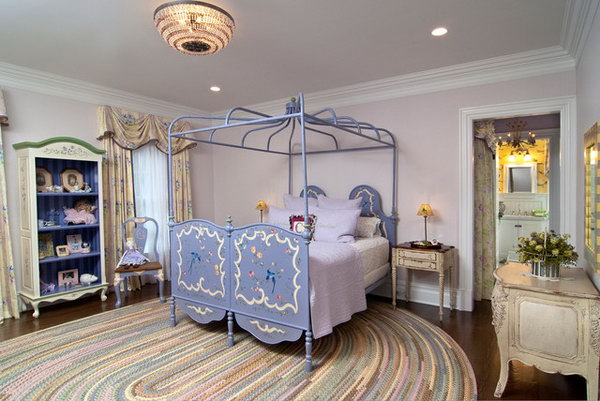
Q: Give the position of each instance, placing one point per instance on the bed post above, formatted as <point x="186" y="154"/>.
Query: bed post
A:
<point x="229" y="228"/>
<point x="173" y="320"/>
<point x="306" y="234"/>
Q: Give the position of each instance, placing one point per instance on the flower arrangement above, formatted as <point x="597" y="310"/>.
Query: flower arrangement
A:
<point x="549" y="247"/>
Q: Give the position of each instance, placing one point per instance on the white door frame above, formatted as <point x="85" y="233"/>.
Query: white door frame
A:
<point x="568" y="173"/>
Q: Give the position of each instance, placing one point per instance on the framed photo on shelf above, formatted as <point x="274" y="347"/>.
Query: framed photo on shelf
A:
<point x="43" y="179"/>
<point x="62" y="250"/>
<point x="74" y="243"/>
<point x="71" y="178"/>
<point x="68" y="277"/>
<point x="46" y="246"/>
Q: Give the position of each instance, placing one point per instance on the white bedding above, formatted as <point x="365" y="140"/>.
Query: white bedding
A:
<point x="374" y="254"/>
<point x="339" y="274"/>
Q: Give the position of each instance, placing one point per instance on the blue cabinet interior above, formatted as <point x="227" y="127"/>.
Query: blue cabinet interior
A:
<point x="50" y="207"/>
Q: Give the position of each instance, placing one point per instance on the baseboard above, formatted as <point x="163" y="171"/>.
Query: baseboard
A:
<point x="426" y="294"/>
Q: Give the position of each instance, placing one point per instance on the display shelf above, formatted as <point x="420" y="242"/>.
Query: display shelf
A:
<point x="45" y="164"/>
<point x="70" y="257"/>
<point x="71" y="227"/>
<point x="50" y="194"/>
<point x="62" y="290"/>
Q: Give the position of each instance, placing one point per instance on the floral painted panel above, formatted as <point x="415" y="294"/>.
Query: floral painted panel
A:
<point x="199" y="265"/>
<point x="270" y="274"/>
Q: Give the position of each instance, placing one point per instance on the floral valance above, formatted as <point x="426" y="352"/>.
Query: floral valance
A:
<point x="3" y="114"/>
<point x="485" y="130"/>
<point x="131" y="130"/>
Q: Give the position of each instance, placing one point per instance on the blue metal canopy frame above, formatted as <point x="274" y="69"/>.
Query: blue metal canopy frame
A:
<point x="295" y="116"/>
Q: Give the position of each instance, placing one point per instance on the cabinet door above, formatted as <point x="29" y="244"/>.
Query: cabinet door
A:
<point x="527" y="227"/>
<point x="508" y="236"/>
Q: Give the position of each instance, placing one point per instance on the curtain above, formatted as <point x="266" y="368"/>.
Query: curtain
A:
<point x="8" y="287"/>
<point x="123" y="131"/>
<point x="117" y="184"/>
<point x="484" y="240"/>
<point x="151" y="198"/>
<point x="182" y="198"/>
<point x="132" y="130"/>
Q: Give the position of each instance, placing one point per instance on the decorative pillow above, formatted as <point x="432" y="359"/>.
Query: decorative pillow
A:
<point x="335" y="225"/>
<point x="280" y="217"/>
<point x="297" y="202"/>
<point x="367" y="227"/>
<point x="325" y="202"/>
<point x="297" y="222"/>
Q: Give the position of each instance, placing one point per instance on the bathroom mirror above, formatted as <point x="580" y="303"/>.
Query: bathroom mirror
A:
<point x="520" y="177"/>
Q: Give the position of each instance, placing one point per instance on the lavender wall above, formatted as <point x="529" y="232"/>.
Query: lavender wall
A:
<point x="427" y="130"/>
<point x="588" y="112"/>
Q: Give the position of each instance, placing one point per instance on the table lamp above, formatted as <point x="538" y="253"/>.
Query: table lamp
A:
<point x="261" y="206"/>
<point x="425" y="211"/>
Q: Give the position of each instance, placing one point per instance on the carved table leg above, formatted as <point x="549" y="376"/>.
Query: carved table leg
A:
<point x="452" y="293"/>
<point x="407" y="285"/>
<point x="592" y="387"/>
<point x="117" y="284"/>
<point x="394" y="284"/>
<point x="441" y="295"/>
<point x="36" y="309"/>
<point x="103" y="295"/>
<point x="499" y="310"/>
<point x="161" y="282"/>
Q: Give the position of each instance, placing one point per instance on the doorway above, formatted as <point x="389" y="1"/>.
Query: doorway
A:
<point x="527" y="184"/>
<point x="565" y="106"/>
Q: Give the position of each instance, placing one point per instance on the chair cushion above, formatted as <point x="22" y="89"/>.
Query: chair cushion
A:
<point x="138" y="268"/>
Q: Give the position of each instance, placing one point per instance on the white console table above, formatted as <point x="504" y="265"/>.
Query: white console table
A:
<point x="552" y="325"/>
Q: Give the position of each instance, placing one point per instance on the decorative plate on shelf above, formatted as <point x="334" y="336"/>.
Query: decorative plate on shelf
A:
<point x="71" y="179"/>
<point x="426" y="245"/>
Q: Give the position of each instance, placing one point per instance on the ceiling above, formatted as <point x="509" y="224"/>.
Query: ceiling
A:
<point x="280" y="47"/>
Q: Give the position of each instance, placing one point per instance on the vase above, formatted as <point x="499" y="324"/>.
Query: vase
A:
<point x="545" y="271"/>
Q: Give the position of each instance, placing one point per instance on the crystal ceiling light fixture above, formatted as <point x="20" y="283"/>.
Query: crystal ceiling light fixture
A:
<point x="194" y="27"/>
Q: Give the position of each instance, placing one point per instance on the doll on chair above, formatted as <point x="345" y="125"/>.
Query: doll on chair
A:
<point x="131" y="256"/>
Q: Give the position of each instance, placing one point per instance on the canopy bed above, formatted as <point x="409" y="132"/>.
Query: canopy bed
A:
<point x="262" y="274"/>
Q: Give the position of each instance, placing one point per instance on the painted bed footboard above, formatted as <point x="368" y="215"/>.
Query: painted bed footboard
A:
<point x="257" y="274"/>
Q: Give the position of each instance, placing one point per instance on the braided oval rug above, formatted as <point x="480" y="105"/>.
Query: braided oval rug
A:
<point x="132" y="354"/>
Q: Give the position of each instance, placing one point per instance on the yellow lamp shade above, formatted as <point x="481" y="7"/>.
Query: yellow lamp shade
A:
<point x="425" y="210"/>
<point x="261" y="205"/>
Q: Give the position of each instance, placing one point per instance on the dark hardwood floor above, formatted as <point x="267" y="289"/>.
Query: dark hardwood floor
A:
<point x="472" y="331"/>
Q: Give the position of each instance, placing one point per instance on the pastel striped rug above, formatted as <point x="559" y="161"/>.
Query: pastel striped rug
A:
<point x="132" y="354"/>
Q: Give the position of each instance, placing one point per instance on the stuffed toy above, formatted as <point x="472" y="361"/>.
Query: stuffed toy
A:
<point x="81" y="213"/>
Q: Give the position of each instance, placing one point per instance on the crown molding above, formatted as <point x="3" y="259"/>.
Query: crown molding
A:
<point x="497" y="69"/>
<point x="577" y="22"/>
<point x="13" y="76"/>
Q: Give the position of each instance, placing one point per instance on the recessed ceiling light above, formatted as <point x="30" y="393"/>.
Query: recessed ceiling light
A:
<point x="439" y="31"/>
<point x="215" y="89"/>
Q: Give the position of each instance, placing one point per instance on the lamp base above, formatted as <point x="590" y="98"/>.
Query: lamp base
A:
<point x="425" y="245"/>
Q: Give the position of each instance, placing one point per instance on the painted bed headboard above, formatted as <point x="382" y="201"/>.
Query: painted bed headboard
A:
<point x="370" y="204"/>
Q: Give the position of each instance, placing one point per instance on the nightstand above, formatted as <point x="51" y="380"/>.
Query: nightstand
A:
<point x="433" y="260"/>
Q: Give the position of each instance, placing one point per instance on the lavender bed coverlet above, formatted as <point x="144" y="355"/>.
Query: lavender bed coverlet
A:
<point x="337" y="285"/>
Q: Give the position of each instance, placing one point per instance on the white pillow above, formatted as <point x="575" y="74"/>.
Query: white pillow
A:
<point x="325" y="202"/>
<point x="280" y="217"/>
<point x="367" y="227"/>
<point x="335" y="225"/>
<point x="297" y="202"/>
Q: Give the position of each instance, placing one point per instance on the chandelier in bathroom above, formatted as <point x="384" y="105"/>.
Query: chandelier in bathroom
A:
<point x="517" y="141"/>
